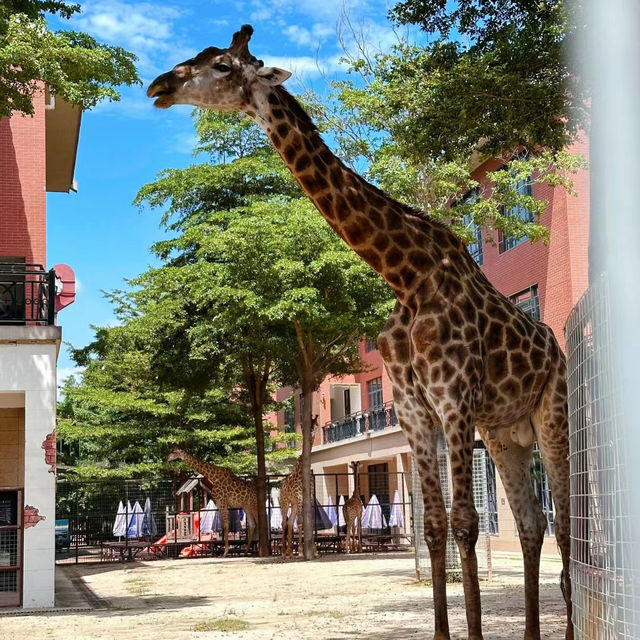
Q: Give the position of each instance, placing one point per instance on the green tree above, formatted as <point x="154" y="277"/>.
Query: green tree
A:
<point x="72" y="64"/>
<point x="492" y="84"/>
<point x="119" y="422"/>
<point x="496" y="74"/>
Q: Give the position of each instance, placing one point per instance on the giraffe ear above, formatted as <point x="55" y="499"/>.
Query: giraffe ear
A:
<point x="273" y="75"/>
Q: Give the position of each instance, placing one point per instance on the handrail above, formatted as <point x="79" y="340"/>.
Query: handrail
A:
<point x="355" y="424"/>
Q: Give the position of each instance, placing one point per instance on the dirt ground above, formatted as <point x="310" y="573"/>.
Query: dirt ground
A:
<point x="368" y="597"/>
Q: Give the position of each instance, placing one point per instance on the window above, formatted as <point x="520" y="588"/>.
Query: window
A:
<point x="525" y="188"/>
<point x="378" y="475"/>
<point x="346" y="393"/>
<point x="290" y="425"/>
<point x="474" y="248"/>
<point x="374" y="391"/>
<point x="370" y="345"/>
<point x="528" y="301"/>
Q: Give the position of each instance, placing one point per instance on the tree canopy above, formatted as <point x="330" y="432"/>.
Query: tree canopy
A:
<point x="72" y="64"/>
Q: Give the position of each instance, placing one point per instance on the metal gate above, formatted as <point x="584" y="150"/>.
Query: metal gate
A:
<point x="11" y="530"/>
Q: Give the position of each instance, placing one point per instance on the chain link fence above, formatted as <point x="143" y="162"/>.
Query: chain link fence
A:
<point x="605" y="587"/>
<point x="126" y="519"/>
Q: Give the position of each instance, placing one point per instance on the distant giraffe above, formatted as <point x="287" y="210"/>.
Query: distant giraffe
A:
<point x="227" y="490"/>
<point x="352" y="511"/>
<point x="459" y="354"/>
<point x="291" y="496"/>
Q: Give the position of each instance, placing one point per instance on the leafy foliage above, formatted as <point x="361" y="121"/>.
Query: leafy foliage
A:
<point x="73" y="64"/>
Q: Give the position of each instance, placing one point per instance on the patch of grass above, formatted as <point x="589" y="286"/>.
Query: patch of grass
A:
<point x="452" y="577"/>
<point x="136" y="586"/>
<point x="227" y="625"/>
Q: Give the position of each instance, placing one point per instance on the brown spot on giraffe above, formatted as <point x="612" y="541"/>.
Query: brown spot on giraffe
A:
<point x="513" y="388"/>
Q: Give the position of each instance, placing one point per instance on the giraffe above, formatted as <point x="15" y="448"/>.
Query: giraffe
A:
<point x="352" y="510"/>
<point x="227" y="490"/>
<point x="460" y="356"/>
<point x="291" y="496"/>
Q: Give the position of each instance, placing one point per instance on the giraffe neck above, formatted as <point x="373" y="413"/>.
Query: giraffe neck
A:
<point x="401" y="245"/>
<point x="210" y="471"/>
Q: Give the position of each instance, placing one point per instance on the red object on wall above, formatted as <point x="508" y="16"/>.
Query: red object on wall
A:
<point x="49" y="446"/>
<point x="31" y="516"/>
<point x="65" y="286"/>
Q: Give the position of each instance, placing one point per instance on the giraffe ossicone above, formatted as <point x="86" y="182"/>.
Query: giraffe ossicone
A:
<point x="459" y="354"/>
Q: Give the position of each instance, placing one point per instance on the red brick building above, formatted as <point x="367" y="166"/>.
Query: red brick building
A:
<point x="356" y="412"/>
<point x="37" y="154"/>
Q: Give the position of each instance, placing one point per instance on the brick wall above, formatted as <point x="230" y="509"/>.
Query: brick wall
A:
<point x="22" y="185"/>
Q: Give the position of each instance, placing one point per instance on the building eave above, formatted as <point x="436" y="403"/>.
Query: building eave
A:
<point x="62" y="134"/>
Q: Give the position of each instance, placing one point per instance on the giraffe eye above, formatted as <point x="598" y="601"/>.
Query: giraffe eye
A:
<point x="222" y="67"/>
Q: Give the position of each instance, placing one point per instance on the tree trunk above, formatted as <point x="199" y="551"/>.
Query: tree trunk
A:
<point x="307" y="489"/>
<point x="264" y="549"/>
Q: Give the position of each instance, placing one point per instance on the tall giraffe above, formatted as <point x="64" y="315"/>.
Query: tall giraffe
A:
<point x="227" y="490"/>
<point x="352" y="510"/>
<point x="460" y="356"/>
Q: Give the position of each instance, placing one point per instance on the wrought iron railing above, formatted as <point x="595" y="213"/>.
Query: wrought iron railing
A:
<point x="360" y="422"/>
<point x="27" y="294"/>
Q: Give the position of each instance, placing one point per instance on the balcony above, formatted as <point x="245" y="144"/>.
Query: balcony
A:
<point x="356" y="424"/>
<point x="27" y="295"/>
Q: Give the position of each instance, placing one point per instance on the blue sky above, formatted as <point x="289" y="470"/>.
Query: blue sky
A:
<point x="123" y="145"/>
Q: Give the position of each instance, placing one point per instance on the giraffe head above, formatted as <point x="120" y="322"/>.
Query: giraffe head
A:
<point x="223" y="79"/>
<point x="176" y="454"/>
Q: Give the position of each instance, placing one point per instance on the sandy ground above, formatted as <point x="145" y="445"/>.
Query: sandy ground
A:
<point x="367" y="597"/>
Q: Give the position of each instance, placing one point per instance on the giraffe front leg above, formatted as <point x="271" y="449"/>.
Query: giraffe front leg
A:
<point x="225" y="530"/>
<point x="252" y="526"/>
<point x="513" y="463"/>
<point x="300" y="543"/>
<point x="435" y="526"/>
<point x="459" y="432"/>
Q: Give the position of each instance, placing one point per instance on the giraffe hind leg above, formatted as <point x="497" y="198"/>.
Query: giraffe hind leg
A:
<point x="551" y="426"/>
<point x="513" y="462"/>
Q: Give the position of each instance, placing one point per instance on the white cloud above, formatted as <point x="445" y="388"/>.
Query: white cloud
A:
<point x="303" y="66"/>
<point x="308" y="37"/>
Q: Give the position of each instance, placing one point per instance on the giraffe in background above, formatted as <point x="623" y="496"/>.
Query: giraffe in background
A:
<point x="228" y="492"/>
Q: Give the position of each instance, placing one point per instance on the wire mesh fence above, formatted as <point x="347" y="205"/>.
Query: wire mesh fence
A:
<point x="605" y="587"/>
<point x="135" y="519"/>
<point x="481" y="498"/>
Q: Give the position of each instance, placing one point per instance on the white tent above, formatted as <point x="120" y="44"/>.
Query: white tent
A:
<point x="134" y="530"/>
<point x="332" y="512"/>
<point x="209" y="518"/>
<point x="149" y="527"/>
<point x="276" y="514"/>
<point x="341" y="521"/>
<point x="120" y="524"/>
<point x="373" y="518"/>
<point x="396" y="518"/>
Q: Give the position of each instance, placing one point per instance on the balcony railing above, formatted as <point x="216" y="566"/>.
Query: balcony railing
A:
<point x="27" y="294"/>
<point x="358" y="423"/>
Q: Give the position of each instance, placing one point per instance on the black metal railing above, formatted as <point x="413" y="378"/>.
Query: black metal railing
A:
<point x="360" y="422"/>
<point x="27" y="294"/>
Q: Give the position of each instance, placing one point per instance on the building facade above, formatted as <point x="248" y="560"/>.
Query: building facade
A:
<point x="356" y="411"/>
<point x="37" y="154"/>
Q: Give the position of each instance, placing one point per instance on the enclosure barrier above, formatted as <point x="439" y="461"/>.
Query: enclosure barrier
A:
<point x="605" y="586"/>
<point x="481" y="498"/>
<point x="145" y="519"/>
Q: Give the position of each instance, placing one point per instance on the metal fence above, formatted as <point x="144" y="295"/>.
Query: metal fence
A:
<point x="27" y="294"/>
<point x="481" y="498"/>
<point x="127" y="519"/>
<point x="605" y="587"/>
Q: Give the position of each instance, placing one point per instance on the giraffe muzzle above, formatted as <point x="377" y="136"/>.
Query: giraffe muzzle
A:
<point x="162" y="89"/>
